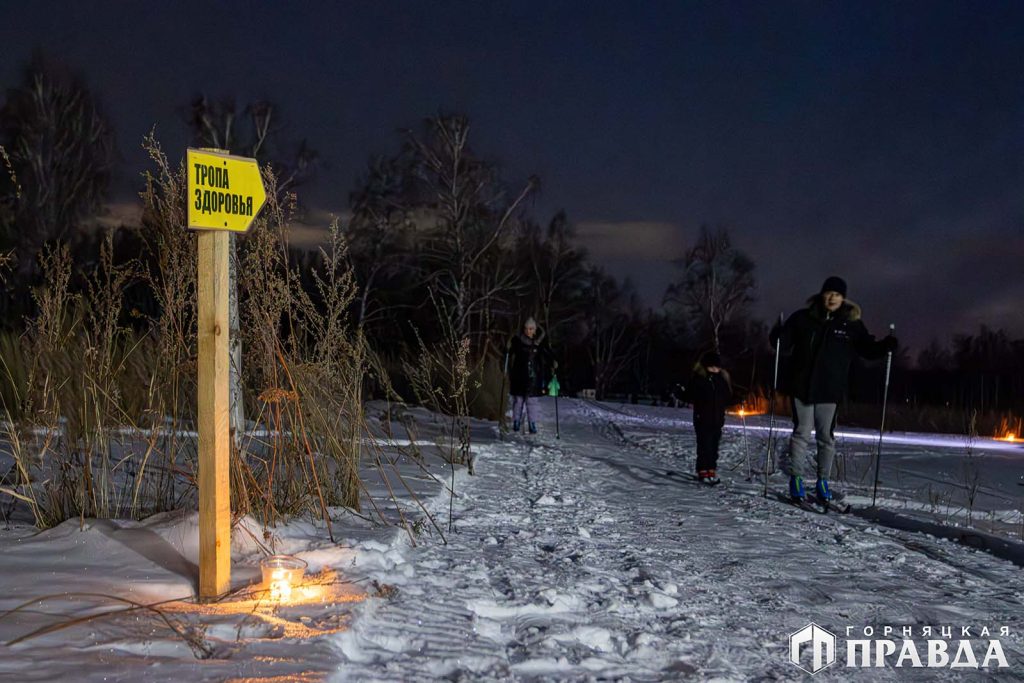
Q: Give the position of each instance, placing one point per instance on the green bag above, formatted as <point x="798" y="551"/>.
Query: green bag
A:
<point x="553" y="386"/>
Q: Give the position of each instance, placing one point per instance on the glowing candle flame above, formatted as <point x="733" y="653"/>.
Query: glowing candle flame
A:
<point x="280" y="585"/>
<point x="281" y="574"/>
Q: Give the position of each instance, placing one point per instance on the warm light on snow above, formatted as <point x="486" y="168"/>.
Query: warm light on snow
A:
<point x="757" y="405"/>
<point x="746" y="412"/>
<point x="1009" y="430"/>
<point x="316" y="607"/>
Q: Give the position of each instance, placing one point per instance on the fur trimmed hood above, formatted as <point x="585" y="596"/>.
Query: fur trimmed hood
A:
<point x="537" y="338"/>
<point x="850" y="310"/>
<point x="700" y="371"/>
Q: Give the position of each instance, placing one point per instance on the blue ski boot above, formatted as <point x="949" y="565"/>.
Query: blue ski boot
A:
<point x="533" y="427"/>
<point x="822" y="491"/>
<point x="796" y="487"/>
<point x="515" y="425"/>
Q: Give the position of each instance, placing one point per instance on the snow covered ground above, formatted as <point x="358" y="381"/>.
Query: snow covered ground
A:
<point x="591" y="557"/>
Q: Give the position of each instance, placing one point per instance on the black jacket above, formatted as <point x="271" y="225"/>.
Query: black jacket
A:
<point x="711" y="394"/>
<point x="529" y="365"/>
<point x="817" y="348"/>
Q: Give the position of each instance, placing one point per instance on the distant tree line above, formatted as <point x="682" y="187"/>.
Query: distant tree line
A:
<point x="443" y="246"/>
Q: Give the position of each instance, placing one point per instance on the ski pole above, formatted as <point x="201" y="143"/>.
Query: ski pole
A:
<point x="881" y="426"/>
<point x="504" y="396"/>
<point x="558" y="431"/>
<point x="768" y="466"/>
<point x="746" y="453"/>
<point x="554" y="389"/>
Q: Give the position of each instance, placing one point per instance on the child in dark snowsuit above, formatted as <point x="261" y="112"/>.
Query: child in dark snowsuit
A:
<point x="710" y="392"/>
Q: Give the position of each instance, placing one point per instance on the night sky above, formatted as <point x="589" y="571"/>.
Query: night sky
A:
<point x="883" y="142"/>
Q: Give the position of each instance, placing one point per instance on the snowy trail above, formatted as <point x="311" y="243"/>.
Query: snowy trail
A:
<point x="581" y="559"/>
<point x="576" y="559"/>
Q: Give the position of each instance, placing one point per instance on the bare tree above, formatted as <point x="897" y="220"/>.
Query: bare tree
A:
<point x="256" y="132"/>
<point x="60" y="149"/>
<point x="10" y="194"/>
<point x="644" y="364"/>
<point x="613" y="328"/>
<point x="379" y="238"/>
<point x="716" y="284"/>
<point x="466" y="253"/>
<point x="557" y="272"/>
<point x="972" y="465"/>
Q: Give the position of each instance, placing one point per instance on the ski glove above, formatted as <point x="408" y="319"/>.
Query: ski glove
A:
<point x="890" y="344"/>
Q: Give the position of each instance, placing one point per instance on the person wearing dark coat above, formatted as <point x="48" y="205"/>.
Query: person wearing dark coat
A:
<point x="817" y="345"/>
<point x="710" y="392"/>
<point x="528" y="362"/>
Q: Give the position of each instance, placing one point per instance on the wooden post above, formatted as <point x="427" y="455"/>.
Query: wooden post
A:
<point x="214" y="415"/>
<point x="217" y="214"/>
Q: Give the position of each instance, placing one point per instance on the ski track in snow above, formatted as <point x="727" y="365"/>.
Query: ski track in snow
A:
<point x="581" y="559"/>
<point x="593" y="557"/>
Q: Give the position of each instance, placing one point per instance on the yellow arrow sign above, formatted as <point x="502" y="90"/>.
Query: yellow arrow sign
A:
<point x="225" y="192"/>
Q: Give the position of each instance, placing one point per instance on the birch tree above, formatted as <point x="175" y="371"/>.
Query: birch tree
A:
<point x="467" y="251"/>
<point x="715" y="286"/>
<point x="59" y="157"/>
<point x="557" y="273"/>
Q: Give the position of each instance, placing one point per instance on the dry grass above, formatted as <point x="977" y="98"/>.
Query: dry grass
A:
<point x="100" y="418"/>
<point x="72" y="398"/>
<point x="303" y="366"/>
<point x="440" y="375"/>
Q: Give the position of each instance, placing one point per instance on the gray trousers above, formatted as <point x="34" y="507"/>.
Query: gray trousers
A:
<point x="822" y="417"/>
<point x="521" y="404"/>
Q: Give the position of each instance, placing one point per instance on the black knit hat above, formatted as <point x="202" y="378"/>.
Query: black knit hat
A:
<point x="834" y="284"/>
<point x="711" y="360"/>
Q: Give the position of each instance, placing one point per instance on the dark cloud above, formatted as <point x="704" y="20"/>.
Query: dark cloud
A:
<point x="642" y="251"/>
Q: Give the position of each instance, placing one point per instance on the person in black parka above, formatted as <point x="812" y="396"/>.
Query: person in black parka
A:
<point x="528" y="362"/>
<point x="710" y="392"/>
<point x="817" y="346"/>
